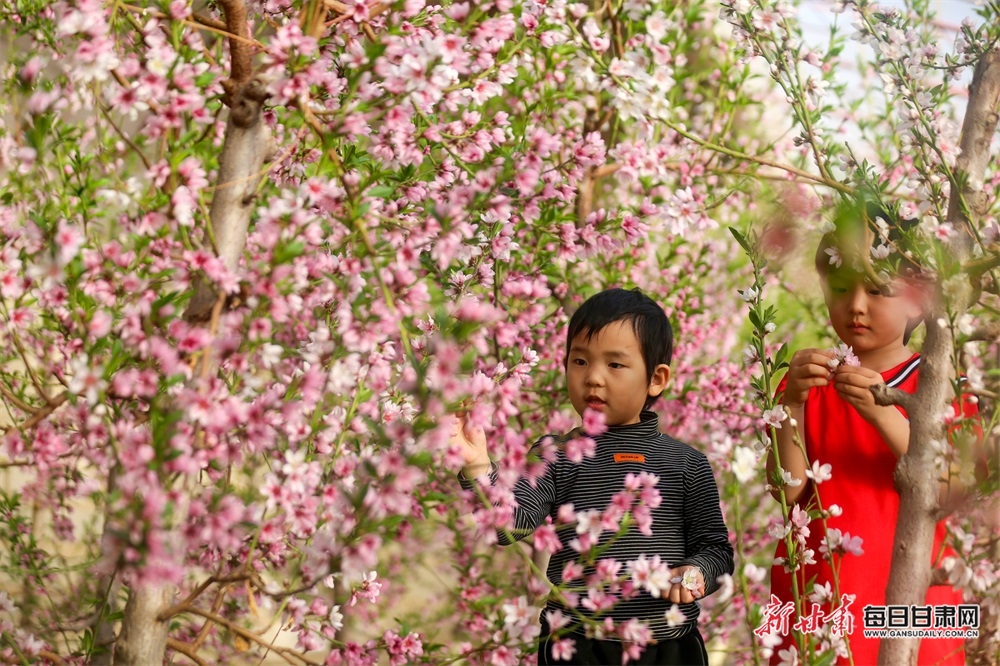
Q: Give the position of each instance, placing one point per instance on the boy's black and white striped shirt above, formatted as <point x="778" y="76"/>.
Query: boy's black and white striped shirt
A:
<point x="688" y="527"/>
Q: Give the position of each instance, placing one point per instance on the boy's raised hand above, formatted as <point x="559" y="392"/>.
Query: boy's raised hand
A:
<point x="471" y="441"/>
<point x="808" y="368"/>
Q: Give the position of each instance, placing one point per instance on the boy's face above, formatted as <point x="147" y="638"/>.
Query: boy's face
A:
<point x="607" y="373"/>
<point x="865" y="318"/>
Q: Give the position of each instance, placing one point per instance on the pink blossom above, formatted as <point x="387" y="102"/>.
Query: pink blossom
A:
<point x="86" y="379"/>
<point x="844" y="353"/>
<point x="653" y="575"/>
<point x="68" y="240"/>
<point x="593" y="422"/>
<point x="369" y="588"/>
<point x="579" y="448"/>
<point x="563" y="649"/>
<point x="546" y="539"/>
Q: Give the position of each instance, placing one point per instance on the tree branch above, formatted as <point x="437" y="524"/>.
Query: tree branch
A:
<point x="886" y="397"/>
<point x="179" y="608"/>
<point x="197" y="21"/>
<point x="286" y="653"/>
<point x="11" y="398"/>
<point x="52" y="405"/>
<point x="980" y="266"/>
<point x="185" y="649"/>
<point x="235" y="12"/>
<point x="208" y="21"/>
<point x="762" y="161"/>
<point x="977" y="133"/>
<point x="986" y="333"/>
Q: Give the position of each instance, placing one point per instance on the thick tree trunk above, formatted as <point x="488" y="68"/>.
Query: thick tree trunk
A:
<point x="916" y="477"/>
<point x="247" y="145"/>
<point x="143" y="640"/>
<point x="916" y="481"/>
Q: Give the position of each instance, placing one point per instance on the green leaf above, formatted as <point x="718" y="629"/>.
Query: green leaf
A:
<point x="780" y="355"/>
<point x="290" y="250"/>
<point x="741" y="239"/>
<point x="381" y="191"/>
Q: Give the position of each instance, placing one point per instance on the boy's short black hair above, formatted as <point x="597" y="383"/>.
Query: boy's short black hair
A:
<point x="859" y="231"/>
<point x="649" y="322"/>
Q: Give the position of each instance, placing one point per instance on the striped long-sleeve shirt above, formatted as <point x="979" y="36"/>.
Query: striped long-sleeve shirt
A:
<point x="687" y="526"/>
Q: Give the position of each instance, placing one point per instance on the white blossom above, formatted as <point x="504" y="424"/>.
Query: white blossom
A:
<point x="819" y="472"/>
<point x="774" y="416"/>
<point x="788" y="480"/>
<point x="744" y="464"/>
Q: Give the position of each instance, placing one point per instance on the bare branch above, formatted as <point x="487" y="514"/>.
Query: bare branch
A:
<point x="11" y="398"/>
<point x="939" y="577"/>
<point x="179" y="608"/>
<point x="185" y="649"/>
<point x="28" y="366"/>
<point x="124" y="137"/>
<point x="305" y="587"/>
<point x="208" y="21"/>
<point x="986" y="333"/>
<point x="206" y="627"/>
<point x="52" y="405"/>
<point x="197" y="21"/>
<point x="980" y="266"/>
<point x="286" y="653"/>
<point x="760" y="160"/>
<point x="886" y="397"/>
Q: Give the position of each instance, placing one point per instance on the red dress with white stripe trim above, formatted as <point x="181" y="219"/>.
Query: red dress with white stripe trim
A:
<point x="862" y="485"/>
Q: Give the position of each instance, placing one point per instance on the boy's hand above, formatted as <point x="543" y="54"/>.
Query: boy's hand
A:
<point x="808" y="368"/>
<point x="688" y="584"/>
<point x="471" y="441"/>
<point x="852" y="383"/>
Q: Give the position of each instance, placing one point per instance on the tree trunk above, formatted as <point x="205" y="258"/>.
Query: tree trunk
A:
<point x="916" y="477"/>
<point x="247" y="145"/>
<point x="143" y="640"/>
<point x="916" y="481"/>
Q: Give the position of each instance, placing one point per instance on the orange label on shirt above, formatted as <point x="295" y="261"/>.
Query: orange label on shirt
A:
<point x="630" y="457"/>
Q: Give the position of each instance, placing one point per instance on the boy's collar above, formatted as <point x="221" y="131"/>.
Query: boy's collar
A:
<point x="648" y="420"/>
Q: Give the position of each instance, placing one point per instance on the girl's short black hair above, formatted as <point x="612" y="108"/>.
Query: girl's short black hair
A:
<point x="649" y="322"/>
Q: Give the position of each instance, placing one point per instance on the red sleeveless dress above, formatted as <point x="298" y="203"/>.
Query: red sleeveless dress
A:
<point x="862" y="485"/>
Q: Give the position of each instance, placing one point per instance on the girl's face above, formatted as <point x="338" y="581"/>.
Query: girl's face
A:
<point x="864" y="317"/>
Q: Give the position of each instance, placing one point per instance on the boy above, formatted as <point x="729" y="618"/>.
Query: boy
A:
<point x="852" y="444"/>
<point x="618" y="350"/>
